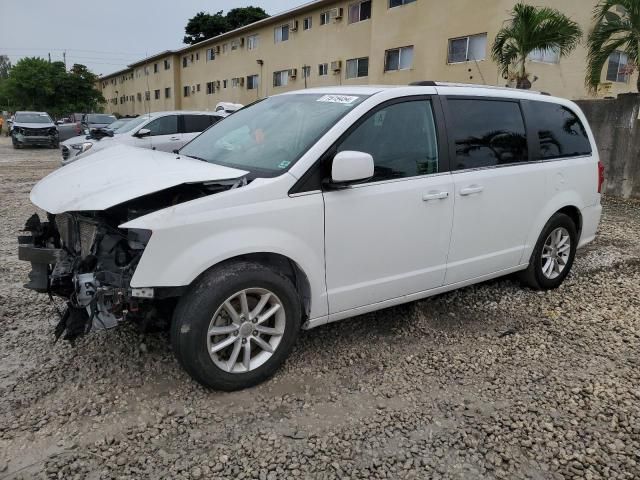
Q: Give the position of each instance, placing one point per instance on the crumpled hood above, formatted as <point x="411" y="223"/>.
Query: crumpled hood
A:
<point x="33" y="125"/>
<point x="118" y="174"/>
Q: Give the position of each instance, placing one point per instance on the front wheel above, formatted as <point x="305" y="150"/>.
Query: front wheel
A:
<point x="553" y="255"/>
<point x="236" y="325"/>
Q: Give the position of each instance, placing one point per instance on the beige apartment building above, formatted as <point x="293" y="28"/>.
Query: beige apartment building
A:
<point x="329" y="42"/>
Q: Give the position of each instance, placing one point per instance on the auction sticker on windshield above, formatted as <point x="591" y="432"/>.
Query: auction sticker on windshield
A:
<point x="346" y="99"/>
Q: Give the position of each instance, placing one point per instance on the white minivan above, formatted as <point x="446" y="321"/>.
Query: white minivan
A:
<point x="315" y="206"/>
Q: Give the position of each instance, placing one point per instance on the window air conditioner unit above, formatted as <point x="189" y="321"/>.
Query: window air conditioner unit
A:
<point x="293" y="73"/>
<point x="335" y="13"/>
<point x="336" y="65"/>
<point x="293" y="25"/>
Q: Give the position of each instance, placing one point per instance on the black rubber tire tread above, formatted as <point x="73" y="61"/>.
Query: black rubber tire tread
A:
<point x="196" y="307"/>
<point x="533" y="276"/>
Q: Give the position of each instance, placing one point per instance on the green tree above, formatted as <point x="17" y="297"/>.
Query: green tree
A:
<point x="532" y="29"/>
<point x="36" y="84"/>
<point x="204" y="25"/>
<point x="617" y="28"/>
<point x="5" y="66"/>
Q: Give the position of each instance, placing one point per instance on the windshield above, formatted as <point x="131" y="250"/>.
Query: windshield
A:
<point x="100" y="118"/>
<point x="131" y="124"/>
<point x="32" y="118"/>
<point x="118" y="123"/>
<point x="272" y="134"/>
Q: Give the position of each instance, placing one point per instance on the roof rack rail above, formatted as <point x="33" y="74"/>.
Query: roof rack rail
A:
<point x="431" y="83"/>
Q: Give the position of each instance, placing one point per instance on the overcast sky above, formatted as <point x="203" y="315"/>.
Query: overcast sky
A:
<point x="105" y="35"/>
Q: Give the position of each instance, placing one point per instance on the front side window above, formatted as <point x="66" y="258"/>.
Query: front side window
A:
<point x="487" y="133"/>
<point x="196" y="123"/>
<point x="398" y="59"/>
<point x="398" y="3"/>
<point x="282" y="33"/>
<point x="401" y="138"/>
<point x="360" y="11"/>
<point x="357" y="67"/>
<point x="559" y="130"/>
<point x="167" y="125"/>
<point x="260" y="138"/>
<point x="468" y="49"/>
<point x="617" y="69"/>
<point x="281" y="78"/>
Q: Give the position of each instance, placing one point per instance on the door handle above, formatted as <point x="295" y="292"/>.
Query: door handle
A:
<point x="174" y="139"/>
<point x="471" y="190"/>
<point x="434" y="196"/>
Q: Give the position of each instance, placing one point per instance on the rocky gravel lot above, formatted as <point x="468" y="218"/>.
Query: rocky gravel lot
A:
<point x="492" y="381"/>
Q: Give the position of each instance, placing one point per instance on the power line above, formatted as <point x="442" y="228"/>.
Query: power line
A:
<point x="132" y="54"/>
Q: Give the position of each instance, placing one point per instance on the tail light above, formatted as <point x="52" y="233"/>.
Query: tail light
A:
<point x="78" y="129"/>
<point x="600" y="176"/>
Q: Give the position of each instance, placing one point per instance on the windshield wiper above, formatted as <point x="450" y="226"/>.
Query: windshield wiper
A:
<point x="192" y="156"/>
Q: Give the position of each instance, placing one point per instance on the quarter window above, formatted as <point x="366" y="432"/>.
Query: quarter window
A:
<point x="617" y="70"/>
<point x="282" y="33"/>
<point x="401" y="138"/>
<point x="398" y="59"/>
<point x="167" y="125"/>
<point x="468" y="49"/>
<point x="559" y="130"/>
<point x="360" y="11"/>
<point x="357" y="67"/>
<point x="196" y="123"/>
<point x="487" y="133"/>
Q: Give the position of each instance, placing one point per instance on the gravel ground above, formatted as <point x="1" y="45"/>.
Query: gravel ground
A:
<point x="491" y="381"/>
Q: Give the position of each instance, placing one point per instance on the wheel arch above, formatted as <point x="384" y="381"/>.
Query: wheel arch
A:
<point x="574" y="214"/>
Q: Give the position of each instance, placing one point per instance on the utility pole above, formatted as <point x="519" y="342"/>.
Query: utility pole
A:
<point x="49" y="57"/>
<point x="64" y="58"/>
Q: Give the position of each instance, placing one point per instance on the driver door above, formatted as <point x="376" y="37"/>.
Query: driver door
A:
<point x="165" y="133"/>
<point x="389" y="237"/>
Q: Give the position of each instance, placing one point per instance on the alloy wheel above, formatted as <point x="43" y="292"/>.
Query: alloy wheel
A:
<point x="555" y="253"/>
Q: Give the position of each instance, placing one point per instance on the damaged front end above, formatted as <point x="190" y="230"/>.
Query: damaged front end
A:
<point x="85" y="259"/>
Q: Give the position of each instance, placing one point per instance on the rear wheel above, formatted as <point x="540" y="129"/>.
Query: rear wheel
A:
<point x="553" y="255"/>
<point x="236" y="325"/>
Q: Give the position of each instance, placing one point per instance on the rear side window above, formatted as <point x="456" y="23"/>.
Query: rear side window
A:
<point x="196" y="123"/>
<point x="487" y="133"/>
<point x="559" y="130"/>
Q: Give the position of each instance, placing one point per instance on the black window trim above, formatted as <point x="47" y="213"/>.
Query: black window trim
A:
<point x="312" y="179"/>
<point x="529" y="132"/>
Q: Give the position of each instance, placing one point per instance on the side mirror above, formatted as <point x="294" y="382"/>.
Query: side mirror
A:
<point x="350" y="166"/>
<point x="143" y="132"/>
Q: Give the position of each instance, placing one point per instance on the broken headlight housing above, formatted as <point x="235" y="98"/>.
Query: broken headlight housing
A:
<point x="81" y="147"/>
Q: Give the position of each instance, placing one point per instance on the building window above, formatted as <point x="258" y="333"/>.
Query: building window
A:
<point x="398" y="59"/>
<point x="167" y="92"/>
<point x="225" y="47"/>
<point x="252" y="82"/>
<point x="360" y="11"/>
<point x="155" y="68"/>
<point x="323" y="69"/>
<point x="186" y="90"/>
<point x="139" y="96"/>
<point x="306" y="23"/>
<point x="197" y="87"/>
<point x="235" y="82"/>
<point x="197" y="56"/>
<point x="306" y="71"/>
<point x="281" y="78"/>
<point x="397" y="3"/>
<point x="252" y="42"/>
<point x="184" y="62"/>
<point x="468" y="49"/>
<point x="551" y="55"/>
<point x="357" y="67"/>
<point x="156" y="94"/>
<point x="146" y="70"/>
<point x="224" y="84"/>
<point x="167" y="65"/>
<point x="324" y="18"/>
<point x="235" y="44"/>
<point x="147" y="95"/>
<point x="210" y="54"/>
<point x="281" y="33"/>
<point x="209" y="88"/>
<point x="618" y="70"/>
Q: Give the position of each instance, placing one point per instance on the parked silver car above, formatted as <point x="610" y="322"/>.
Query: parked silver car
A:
<point x="34" y="128"/>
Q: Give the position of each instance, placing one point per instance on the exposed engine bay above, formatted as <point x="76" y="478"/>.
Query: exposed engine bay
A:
<point x="84" y="258"/>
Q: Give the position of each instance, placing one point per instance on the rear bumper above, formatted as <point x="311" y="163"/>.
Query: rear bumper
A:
<point x="590" y="221"/>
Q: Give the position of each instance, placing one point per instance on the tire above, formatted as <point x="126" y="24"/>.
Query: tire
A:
<point x="55" y="145"/>
<point x="537" y="275"/>
<point x="203" y="308"/>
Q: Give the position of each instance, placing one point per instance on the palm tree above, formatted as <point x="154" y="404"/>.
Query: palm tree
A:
<point x="617" y="28"/>
<point x="532" y="29"/>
